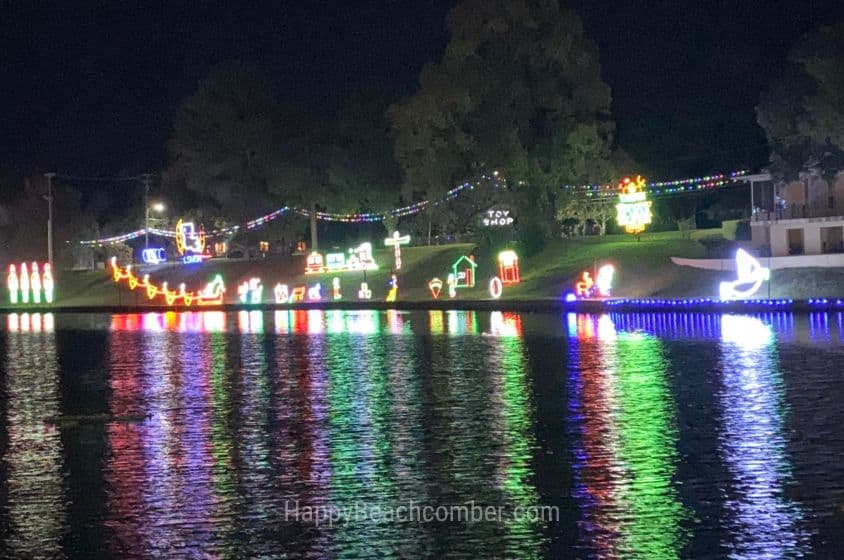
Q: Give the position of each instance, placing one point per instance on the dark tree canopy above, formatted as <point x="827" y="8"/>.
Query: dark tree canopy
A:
<point x="518" y="90"/>
<point x="802" y="112"/>
<point x="222" y="148"/>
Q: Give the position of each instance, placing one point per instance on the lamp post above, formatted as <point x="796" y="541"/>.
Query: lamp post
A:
<point x="157" y="207"/>
<point x="49" y="199"/>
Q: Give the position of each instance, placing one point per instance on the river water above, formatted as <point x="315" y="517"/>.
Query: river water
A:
<point x="427" y="434"/>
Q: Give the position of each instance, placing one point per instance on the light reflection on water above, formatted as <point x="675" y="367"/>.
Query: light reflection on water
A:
<point x="223" y="431"/>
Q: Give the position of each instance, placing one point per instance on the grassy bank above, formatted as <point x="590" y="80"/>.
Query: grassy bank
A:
<point x="644" y="269"/>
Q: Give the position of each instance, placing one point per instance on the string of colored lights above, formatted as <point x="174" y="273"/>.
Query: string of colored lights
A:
<point x="653" y="189"/>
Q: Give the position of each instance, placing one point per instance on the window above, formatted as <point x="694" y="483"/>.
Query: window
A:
<point x="795" y="241"/>
<point x="832" y="239"/>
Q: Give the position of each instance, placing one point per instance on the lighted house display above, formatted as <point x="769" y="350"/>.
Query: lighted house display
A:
<point x="464" y="271"/>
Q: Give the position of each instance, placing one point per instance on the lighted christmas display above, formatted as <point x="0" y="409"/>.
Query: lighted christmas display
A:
<point x="281" y="293"/>
<point x="396" y="241"/>
<point x="750" y="274"/>
<point x="34" y="284"/>
<point x="601" y="286"/>
<point x="604" y="280"/>
<point x="298" y="294"/>
<point x="190" y="241"/>
<point x="364" y="292"/>
<point x="335" y="289"/>
<point x="314" y="264"/>
<point x="451" y="281"/>
<point x="153" y="255"/>
<point x="436" y="286"/>
<point x="12" y="284"/>
<point x="584" y="286"/>
<point x="24" y="283"/>
<point x="464" y="272"/>
<point x="315" y="292"/>
<point x="358" y="258"/>
<point x="394" y="288"/>
<point x="47" y="283"/>
<point x="633" y="208"/>
<point x="250" y="291"/>
<point x="496" y="287"/>
<point x="211" y="294"/>
<point x="508" y="267"/>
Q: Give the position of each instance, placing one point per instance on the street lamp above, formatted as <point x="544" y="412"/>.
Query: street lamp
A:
<point x="157" y="207"/>
<point x="49" y="199"/>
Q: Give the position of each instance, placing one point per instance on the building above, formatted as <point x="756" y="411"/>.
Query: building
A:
<point x="806" y="217"/>
<point x="798" y="236"/>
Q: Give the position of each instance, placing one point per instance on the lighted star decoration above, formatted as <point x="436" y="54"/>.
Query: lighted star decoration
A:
<point x="633" y="208"/>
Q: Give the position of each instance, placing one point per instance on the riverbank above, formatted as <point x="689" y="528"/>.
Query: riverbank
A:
<point x="643" y="271"/>
<point x="579" y="306"/>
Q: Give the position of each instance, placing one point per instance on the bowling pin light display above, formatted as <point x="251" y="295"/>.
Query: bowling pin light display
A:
<point x="31" y="283"/>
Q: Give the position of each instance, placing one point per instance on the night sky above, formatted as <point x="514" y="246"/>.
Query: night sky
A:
<point x="94" y="90"/>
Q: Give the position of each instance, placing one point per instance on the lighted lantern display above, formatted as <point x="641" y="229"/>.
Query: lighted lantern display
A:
<point x="364" y="292"/>
<point x="281" y="293"/>
<point x="251" y="291"/>
<point x="211" y="294"/>
<point x="496" y="287"/>
<point x="508" y="267"/>
<point x="396" y="241"/>
<point x="153" y="255"/>
<point x="436" y="286"/>
<point x="335" y="288"/>
<point x="394" y="288"/>
<point x="750" y="274"/>
<point x="298" y="294"/>
<point x="633" y="211"/>
<point x="33" y="284"/>
<point x="464" y="272"/>
<point x="358" y="258"/>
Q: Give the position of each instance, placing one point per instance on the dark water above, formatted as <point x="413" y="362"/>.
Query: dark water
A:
<point x="621" y="436"/>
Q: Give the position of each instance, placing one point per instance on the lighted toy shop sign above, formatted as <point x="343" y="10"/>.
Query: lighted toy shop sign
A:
<point x="190" y="242"/>
<point x="750" y="274"/>
<point x="498" y="218"/>
<point x="211" y="294"/>
<point x="633" y="208"/>
<point x="359" y="258"/>
<point x="32" y="284"/>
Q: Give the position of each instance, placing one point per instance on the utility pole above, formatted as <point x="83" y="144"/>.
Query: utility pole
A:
<point x="147" y="179"/>
<point x="49" y="199"/>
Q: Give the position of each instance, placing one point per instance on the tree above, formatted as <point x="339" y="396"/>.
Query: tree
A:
<point x="222" y="147"/>
<point x="518" y="90"/>
<point x="802" y="111"/>
<point x="340" y="165"/>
